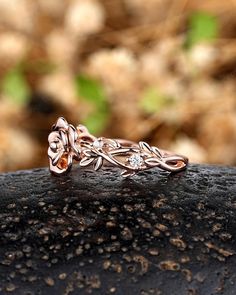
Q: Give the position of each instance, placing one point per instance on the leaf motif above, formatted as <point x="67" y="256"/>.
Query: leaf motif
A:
<point x="88" y="153"/>
<point x="152" y="162"/>
<point x="98" y="164"/>
<point x="127" y="173"/>
<point x="86" y="161"/>
<point x="114" y="143"/>
<point x="145" y="146"/>
<point x="156" y="151"/>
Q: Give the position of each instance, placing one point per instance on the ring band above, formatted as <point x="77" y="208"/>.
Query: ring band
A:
<point x="67" y="143"/>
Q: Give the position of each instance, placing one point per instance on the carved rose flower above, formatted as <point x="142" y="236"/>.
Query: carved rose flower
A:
<point x="62" y="146"/>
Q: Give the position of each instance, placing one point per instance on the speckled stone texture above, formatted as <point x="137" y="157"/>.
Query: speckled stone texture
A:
<point x="96" y="233"/>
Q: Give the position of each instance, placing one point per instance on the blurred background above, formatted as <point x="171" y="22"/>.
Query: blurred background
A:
<point x="158" y="70"/>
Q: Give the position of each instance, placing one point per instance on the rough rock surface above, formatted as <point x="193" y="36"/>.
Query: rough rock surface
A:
<point x="96" y="233"/>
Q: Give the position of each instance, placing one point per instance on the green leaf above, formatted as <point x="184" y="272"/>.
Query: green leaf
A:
<point x="93" y="93"/>
<point x="15" y="86"/>
<point x="96" y="121"/>
<point x="202" y="27"/>
<point x="153" y="101"/>
<point x="91" y="90"/>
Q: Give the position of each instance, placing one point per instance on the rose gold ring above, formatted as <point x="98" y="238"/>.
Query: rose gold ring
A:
<point x="67" y="143"/>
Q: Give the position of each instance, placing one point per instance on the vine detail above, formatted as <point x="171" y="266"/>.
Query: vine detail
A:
<point x="67" y="143"/>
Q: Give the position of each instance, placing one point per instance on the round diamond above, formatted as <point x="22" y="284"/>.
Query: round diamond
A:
<point x="135" y="160"/>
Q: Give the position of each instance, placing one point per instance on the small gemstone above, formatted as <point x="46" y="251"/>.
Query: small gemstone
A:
<point x="98" y="144"/>
<point x="135" y="161"/>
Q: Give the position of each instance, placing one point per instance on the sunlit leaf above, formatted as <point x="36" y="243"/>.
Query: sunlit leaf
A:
<point x="202" y="27"/>
<point x="91" y="90"/>
<point x="15" y="86"/>
<point x="153" y="101"/>
<point x="93" y="93"/>
<point x="96" y="121"/>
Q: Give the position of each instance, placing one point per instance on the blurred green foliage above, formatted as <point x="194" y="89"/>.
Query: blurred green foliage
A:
<point x="92" y="92"/>
<point x="202" y="27"/>
<point x="15" y="86"/>
<point x="153" y="101"/>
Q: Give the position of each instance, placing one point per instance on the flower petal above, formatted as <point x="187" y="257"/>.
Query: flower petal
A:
<point x="64" y="137"/>
<point x="53" y="136"/>
<point x="52" y="154"/>
<point x="56" y="157"/>
<point x="60" y="123"/>
<point x="82" y="128"/>
<point x="70" y="159"/>
<point x="72" y="137"/>
<point x="56" y="169"/>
